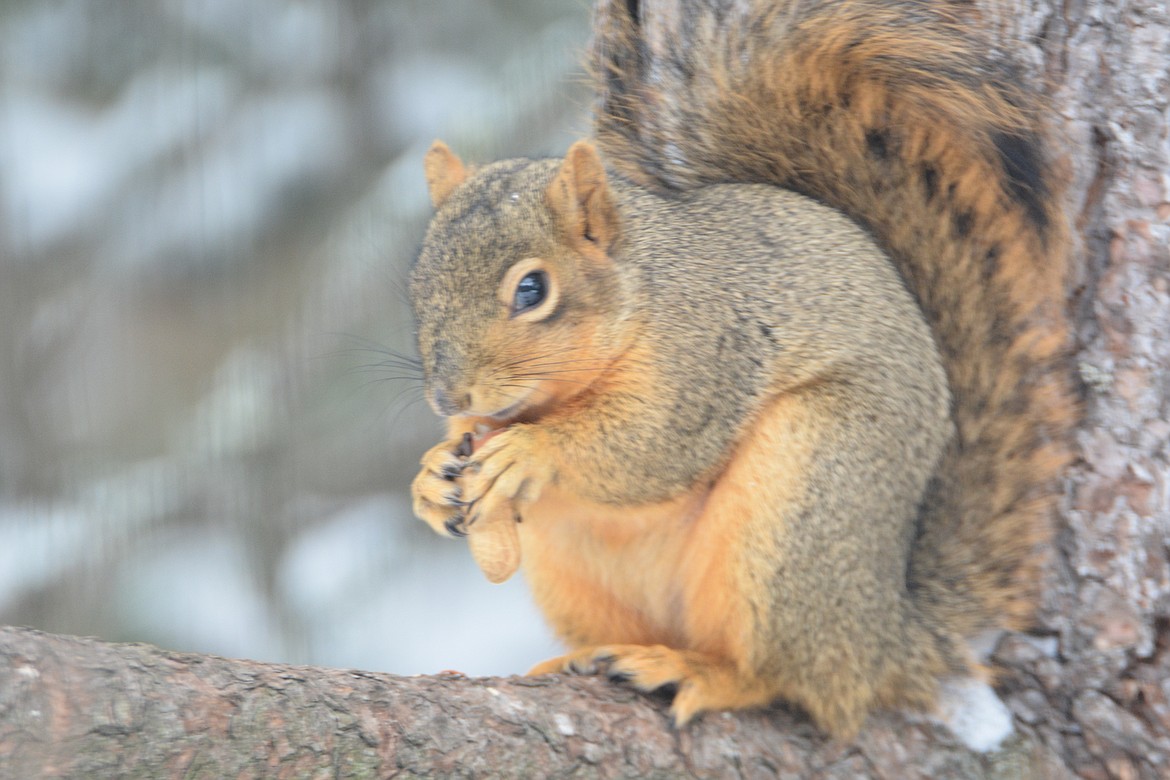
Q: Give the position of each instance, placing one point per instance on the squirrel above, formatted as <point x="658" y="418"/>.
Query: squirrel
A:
<point x="767" y="386"/>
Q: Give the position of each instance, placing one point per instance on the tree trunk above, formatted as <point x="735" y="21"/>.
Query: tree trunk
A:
<point x="1091" y="694"/>
<point x="1102" y="702"/>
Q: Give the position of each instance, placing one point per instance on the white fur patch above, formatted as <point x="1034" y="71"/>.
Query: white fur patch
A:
<point x="978" y="717"/>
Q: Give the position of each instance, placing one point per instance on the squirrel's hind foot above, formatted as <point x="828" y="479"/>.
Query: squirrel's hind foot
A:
<point x="702" y="682"/>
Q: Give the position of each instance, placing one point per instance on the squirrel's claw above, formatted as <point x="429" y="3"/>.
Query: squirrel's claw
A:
<point x="455" y="525"/>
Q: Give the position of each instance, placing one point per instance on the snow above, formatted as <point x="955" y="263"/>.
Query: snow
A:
<point x="239" y="181"/>
<point x="63" y="160"/>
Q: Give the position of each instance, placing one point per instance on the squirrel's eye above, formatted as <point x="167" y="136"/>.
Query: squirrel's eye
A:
<point x="530" y="291"/>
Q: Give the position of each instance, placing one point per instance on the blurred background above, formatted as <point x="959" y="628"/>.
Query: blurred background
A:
<point x="208" y="209"/>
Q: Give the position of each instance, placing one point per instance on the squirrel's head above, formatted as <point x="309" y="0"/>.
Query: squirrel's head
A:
<point x="517" y="298"/>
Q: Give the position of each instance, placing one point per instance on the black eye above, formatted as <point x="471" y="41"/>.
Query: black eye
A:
<point x="530" y="291"/>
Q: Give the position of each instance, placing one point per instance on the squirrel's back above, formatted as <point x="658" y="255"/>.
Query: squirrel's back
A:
<point x="895" y="114"/>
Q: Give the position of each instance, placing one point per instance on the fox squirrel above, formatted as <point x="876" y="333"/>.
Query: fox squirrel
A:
<point x="766" y="388"/>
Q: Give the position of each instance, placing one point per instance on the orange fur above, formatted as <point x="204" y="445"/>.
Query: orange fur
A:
<point x="444" y="172"/>
<point x="612" y="580"/>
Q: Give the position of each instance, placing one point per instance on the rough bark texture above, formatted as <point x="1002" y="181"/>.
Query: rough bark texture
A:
<point x="1091" y="694"/>
<point x="1102" y="703"/>
<point x="82" y="708"/>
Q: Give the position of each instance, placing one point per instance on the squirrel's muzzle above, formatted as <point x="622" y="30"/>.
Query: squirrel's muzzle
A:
<point x="449" y="404"/>
<point x="442" y="369"/>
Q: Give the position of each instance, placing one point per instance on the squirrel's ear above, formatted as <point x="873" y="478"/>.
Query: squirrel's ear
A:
<point x="444" y="172"/>
<point x="580" y="199"/>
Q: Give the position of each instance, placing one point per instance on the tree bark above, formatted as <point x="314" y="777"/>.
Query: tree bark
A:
<point x="72" y="707"/>
<point x="1102" y="702"/>
<point x="1091" y="692"/>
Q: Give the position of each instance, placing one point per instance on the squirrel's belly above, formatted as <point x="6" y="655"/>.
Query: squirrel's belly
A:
<point x="605" y="574"/>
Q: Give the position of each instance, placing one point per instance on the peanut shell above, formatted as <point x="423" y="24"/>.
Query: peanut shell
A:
<point x="495" y="546"/>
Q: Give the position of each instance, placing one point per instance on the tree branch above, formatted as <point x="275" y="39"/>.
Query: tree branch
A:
<point x="76" y="707"/>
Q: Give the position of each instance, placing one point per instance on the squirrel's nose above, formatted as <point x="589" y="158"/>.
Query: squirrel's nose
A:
<point x="449" y="405"/>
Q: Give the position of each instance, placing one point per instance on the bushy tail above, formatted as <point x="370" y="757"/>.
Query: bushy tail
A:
<point x="893" y="113"/>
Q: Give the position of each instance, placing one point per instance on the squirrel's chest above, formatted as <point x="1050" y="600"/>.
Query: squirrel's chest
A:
<point x="605" y="574"/>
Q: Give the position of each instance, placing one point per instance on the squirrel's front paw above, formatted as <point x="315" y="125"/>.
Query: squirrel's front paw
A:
<point x="504" y="473"/>
<point x="497" y="480"/>
<point x="436" y="491"/>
